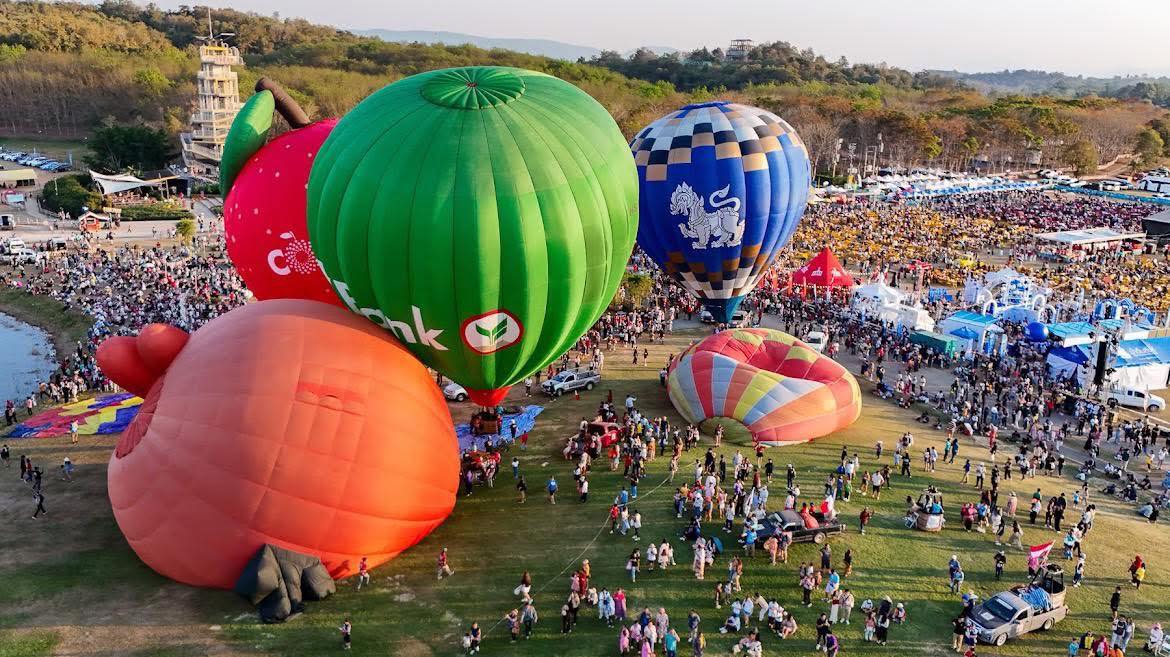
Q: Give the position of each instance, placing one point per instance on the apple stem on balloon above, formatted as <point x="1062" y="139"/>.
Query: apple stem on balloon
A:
<point x="285" y="104"/>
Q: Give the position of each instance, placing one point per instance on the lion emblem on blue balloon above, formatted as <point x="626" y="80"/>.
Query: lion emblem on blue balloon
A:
<point x="722" y="226"/>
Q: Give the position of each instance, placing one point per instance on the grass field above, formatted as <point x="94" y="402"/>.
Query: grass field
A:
<point x="71" y="586"/>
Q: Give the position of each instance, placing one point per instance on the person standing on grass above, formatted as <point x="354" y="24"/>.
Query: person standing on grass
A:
<point x="39" y="498"/>
<point x="876" y="481"/>
<point x="363" y="574"/>
<point x="670" y="643"/>
<point x="1115" y="602"/>
<point x="1017" y="539"/>
<point x="444" y="568"/>
<point x="5" y="455"/>
<point x="552" y="490"/>
<point x="866" y="515"/>
<point x="522" y="488"/>
<point x="73" y="431"/>
<point x="958" y="631"/>
<point x="698" y="644"/>
<point x="346" y="630"/>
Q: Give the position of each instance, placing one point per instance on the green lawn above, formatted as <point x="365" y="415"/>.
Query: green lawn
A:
<point x="492" y="539"/>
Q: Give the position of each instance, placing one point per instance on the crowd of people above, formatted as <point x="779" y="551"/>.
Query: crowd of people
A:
<point x="122" y="289"/>
<point x="1025" y="425"/>
<point x="970" y="235"/>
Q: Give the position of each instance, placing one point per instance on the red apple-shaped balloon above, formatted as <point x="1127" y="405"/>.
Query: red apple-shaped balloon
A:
<point x="288" y="422"/>
<point x="264" y="208"/>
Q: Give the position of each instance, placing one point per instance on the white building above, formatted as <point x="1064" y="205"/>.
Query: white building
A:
<point x="218" y="103"/>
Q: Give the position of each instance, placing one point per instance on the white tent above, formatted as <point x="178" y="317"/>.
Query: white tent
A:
<point x="888" y="304"/>
<point x="1154" y="184"/>
<point x="119" y="183"/>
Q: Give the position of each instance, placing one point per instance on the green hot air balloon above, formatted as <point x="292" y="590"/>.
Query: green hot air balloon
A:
<point x="482" y="215"/>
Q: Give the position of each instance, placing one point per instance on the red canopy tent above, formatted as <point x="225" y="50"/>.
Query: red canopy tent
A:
<point x="824" y="270"/>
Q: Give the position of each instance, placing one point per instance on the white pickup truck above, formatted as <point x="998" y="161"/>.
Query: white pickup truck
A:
<point x="1007" y="616"/>
<point x="570" y="380"/>
<point x="1134" y="398"/>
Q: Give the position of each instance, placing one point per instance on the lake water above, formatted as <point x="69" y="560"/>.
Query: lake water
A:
<point x="26" y="356"/>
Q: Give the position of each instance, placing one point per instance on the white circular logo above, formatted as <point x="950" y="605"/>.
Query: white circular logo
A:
<point x="491" y="331"/>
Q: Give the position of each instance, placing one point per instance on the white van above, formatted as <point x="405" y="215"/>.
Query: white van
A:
<point x="12" y="245"/>
<point x="1133" y="398"/>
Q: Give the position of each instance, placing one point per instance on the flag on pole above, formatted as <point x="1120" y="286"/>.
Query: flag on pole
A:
<point x="1038" y="553"/>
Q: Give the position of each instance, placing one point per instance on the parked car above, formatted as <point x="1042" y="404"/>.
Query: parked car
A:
<point x="22" y="256"/>
<point x="791" y="522"/>
<point x="817" y="340"/>
<point x="455" y="392"/>
<point x="739" y="319"/>
<point x="706" y="317"/>
<point x="571" y="380"/>
<point x="1006" y="616"/>
<point x="1133" y="398"/>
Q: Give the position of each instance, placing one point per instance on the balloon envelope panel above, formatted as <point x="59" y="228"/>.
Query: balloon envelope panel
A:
<point x="264" y="219"/>
<point x="483" y="216"/>
<point x="781" y="389"/>
<point x="722" y="187"/>
<point x="288" y="422"/>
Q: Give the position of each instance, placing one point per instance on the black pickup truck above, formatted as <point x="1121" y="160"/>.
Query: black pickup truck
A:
<point x="790" y="521"/>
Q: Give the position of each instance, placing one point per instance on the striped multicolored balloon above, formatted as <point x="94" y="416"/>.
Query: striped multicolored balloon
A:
<point x="781" y="389"/>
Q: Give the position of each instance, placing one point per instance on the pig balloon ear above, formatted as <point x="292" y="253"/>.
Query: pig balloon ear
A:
<point x="158" y="344"/>
<point x="119" y="359"/>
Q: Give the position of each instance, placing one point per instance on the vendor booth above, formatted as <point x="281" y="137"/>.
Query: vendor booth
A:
<point x="1135" y="364"/>
<point x="889" y="305"/>
<point x="981" y="333"/>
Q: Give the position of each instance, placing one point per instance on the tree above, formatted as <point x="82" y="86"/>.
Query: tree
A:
<point x="1162" y="127"/>
<point x="70" y="194"/>
<point x="186" y="229"/>
<point x="932" y="148"/>
<point x="634" y="290"/>
<point x="1149" y="146"/>
<point x="152" y="81"/>
<point x="1082" y="156"/>
<point x="114" y="149"/>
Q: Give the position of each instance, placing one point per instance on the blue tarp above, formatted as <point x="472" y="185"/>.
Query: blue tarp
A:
<point x="974" y="318"/>
<point x="965" y="333"/>
<point x="1066" y="330"/>
<point x="1037" y="597"/>
<point x="1148" y="351"/>
<point x="1128" y="353"/>
<point x="1121" y="197"/>
<point x="525" y="421"/>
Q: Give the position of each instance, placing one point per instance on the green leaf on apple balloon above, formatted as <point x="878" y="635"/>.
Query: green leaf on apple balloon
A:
<point x="248" y="134"/>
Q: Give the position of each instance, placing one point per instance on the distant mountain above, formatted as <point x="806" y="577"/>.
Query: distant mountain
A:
<point x="543" y="47"/>
<point x="1023" y="81"/>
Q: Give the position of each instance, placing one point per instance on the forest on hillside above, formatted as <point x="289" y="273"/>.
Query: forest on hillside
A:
<point x="67" y="68"/>
<point x="1155" y="89"/>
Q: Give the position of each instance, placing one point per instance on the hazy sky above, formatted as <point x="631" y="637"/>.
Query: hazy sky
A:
<point x="1074" y="36"/>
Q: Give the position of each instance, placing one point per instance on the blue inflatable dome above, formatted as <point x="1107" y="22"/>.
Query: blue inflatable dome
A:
<point x="1036" y="331"/>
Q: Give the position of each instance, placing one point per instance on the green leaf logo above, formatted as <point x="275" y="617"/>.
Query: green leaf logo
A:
<point x="492" y="331"/>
